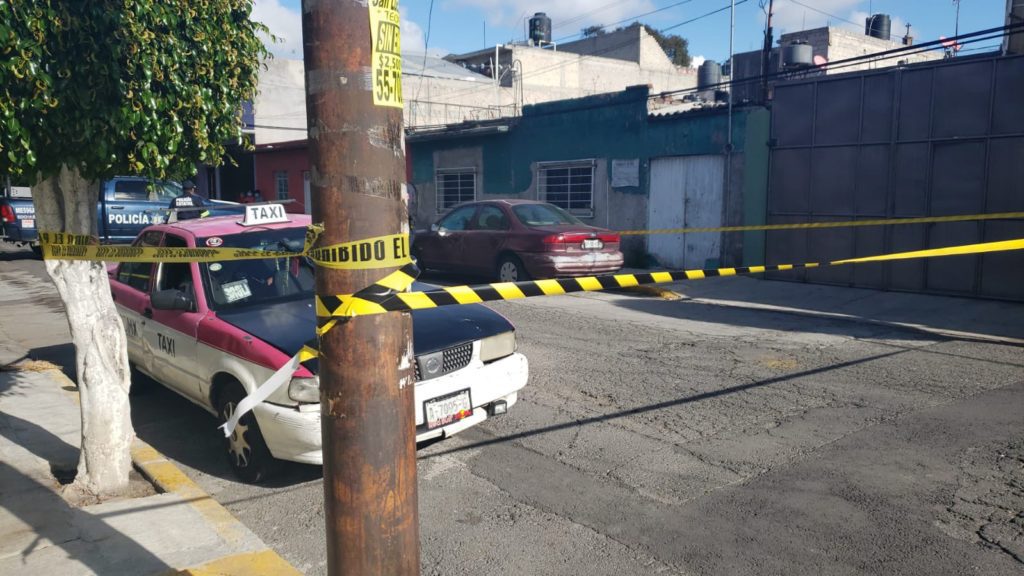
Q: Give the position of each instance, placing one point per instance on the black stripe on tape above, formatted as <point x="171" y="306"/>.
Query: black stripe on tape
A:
<point x="530" y="289"/>
<point x="488" y="294"/>
<point x="570" y="285"/>
<point x="331" y="303"/>
<point x="442" y="298"/>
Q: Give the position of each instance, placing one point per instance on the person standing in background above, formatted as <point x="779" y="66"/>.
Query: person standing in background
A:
<point x="189" y="199"/>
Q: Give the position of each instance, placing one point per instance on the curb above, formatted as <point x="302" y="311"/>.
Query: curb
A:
<point x="166" y="477"/>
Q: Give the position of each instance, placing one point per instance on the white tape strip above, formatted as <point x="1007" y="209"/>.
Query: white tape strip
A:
<point x="283" y="375"/>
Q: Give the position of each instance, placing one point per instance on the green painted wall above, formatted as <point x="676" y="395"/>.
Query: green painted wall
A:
<point x="608" y="126"/>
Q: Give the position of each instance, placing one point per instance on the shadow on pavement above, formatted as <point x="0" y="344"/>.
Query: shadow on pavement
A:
<point x="187" y="434"/>
<point x="16" y="254"/>
<point x="83" y="537"/>
<point x="1003" y="319"/>
<point x="783" y="320"/>
<point x="62" y="355"/>
<point x="663" y="405"/>
<point x="62" y="457"/>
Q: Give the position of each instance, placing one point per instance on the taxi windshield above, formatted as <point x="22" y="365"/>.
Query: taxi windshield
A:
<point x="238" y="283"/>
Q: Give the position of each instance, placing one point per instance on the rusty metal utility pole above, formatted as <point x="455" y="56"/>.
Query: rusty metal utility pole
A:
<point x="353" y="100"/>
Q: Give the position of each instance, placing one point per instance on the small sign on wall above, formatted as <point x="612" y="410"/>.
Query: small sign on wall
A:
<point x="626" y="173"/>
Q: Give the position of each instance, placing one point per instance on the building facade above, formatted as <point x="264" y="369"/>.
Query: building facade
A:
<point x="827" y="45"/>
<point x="611" y="163"/>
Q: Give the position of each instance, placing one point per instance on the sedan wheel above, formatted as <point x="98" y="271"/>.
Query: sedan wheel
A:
<point x="247" y="452"/>
<point x="511" y="269"/>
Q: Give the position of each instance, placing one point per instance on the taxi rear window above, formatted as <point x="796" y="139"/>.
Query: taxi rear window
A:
<point x="236" y="283"/>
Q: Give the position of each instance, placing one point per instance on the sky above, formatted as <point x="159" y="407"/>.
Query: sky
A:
<point x="457" y="26"/>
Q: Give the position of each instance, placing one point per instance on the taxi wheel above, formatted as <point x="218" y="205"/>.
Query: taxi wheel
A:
<point x="511" y="269"/>
<point x="247" y="453"/>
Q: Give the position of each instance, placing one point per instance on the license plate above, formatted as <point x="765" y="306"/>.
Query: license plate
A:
<point x="28" y="223"/>
<point x="447" y="409"/>
<point x="592" y="244"/>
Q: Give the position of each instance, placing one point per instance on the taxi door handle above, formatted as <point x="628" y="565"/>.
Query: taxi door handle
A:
<point x="148" y="312"/>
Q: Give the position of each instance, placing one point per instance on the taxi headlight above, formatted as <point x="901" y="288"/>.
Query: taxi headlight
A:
<point x="304" y="389"/>
<point x="498" y="346"/>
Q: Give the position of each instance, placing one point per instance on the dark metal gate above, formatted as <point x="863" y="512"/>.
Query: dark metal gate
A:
<point x="934" y="139"/>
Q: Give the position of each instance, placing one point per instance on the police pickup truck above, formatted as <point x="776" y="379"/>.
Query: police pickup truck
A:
<point x="214" y="332"/>
<point x="127" y="204"/>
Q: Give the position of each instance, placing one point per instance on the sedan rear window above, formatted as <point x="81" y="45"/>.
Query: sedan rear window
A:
<point x="543" y="215"/>
<point x="235" y="283"/>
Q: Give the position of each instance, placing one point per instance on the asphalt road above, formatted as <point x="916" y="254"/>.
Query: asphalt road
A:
<point x="663" y="437"/>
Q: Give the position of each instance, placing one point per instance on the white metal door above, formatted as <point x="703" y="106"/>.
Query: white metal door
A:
<point x="686" y="192"/>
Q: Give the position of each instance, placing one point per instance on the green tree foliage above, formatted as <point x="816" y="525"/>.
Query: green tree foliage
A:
<point x="676" y="47"/>
<point x="108" y="87"/>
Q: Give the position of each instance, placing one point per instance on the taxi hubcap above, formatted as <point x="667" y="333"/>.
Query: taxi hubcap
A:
<point x="509" y="273"/>
<point x="237" y="446"/>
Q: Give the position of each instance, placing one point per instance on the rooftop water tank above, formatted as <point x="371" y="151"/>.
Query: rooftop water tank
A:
<point x="878" y="26"/>
<point x="797" y="55"/>
<point x="708" y="75"/>
<point x="540" y="29"/>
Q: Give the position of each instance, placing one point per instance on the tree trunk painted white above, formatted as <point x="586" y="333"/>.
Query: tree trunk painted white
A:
<point x="67" y="203"/>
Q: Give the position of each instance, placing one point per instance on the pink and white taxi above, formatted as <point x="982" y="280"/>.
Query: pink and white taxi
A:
<point x="214" y="332"/>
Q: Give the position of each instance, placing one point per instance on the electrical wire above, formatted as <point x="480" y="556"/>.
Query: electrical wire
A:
<point x="426" y="48"/>
<point x="593" y="54"/>
<point x="965" y="39"/>
<point x="631" y="18"/>
<point x="969" y="38"/>
<point x="819" y="11"/>
<point x="584" y="15"/>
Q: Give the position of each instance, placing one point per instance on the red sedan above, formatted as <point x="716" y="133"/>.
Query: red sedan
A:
<point x="516" y="240"/>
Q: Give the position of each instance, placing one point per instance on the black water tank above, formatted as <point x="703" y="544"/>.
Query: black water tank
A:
<point x="540" y="29"/>
<point x="797" y="54"/>
<point x="878" y="26"/>
<point x="708" y="75"/>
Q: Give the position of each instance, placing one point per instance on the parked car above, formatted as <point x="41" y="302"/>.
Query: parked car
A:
<point x="516" y="240"/>
<point x="214" y="332"/>
<point x="127" y="204"/>
<point x="18" y="217"/>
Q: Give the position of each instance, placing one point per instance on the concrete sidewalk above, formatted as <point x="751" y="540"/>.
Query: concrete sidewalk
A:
<point x="967" y="318"/>
<point x="173" y="528"/>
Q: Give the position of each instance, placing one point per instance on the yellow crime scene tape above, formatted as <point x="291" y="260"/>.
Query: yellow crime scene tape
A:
<point x="384" y="298"/>
<point x="388" y="251"/>
<point x="820" y="225"/>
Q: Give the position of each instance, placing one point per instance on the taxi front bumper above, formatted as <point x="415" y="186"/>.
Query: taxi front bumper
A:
<point x="294" y="435"/>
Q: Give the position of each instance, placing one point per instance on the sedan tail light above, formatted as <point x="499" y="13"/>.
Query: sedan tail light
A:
<point x="559" y="242"/>
<point x="7" y="213"/>
<point x="554" y="243"/>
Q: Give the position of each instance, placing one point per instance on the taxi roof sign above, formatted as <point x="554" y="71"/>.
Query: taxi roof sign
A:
<point x="259" y="214"/>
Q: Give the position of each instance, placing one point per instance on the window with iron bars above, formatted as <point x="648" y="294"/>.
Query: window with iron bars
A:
<point x="569" y="186"/>
<point x="455" y="187"/>
<point x="281" y="184"/>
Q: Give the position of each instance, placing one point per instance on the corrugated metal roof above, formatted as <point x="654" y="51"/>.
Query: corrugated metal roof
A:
<point x="413" y="64"/>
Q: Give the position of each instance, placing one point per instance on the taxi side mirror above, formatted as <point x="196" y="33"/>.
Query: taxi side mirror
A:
<point x="172" y="300"/>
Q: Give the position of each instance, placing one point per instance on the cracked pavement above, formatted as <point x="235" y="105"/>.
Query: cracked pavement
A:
<point x="683" y="438"/>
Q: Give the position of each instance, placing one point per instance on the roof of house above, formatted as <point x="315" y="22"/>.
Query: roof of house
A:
<point x="433" y="67"/>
